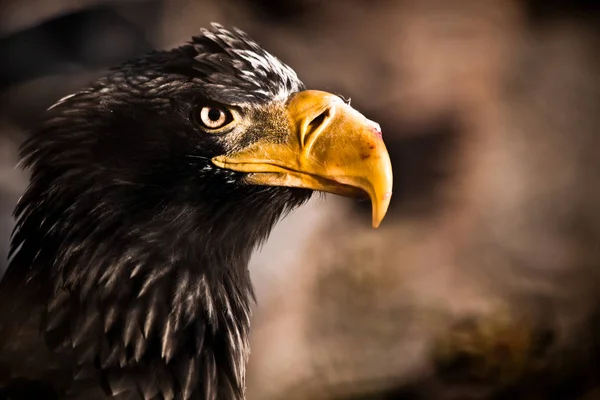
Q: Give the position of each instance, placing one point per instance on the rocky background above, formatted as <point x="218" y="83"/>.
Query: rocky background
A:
<point x="482" y="282"/>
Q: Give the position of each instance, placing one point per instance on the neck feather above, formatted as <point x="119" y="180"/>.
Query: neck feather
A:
<point x="162" y="304"/>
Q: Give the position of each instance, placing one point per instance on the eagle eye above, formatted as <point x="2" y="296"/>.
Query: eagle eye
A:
<point x="214" y="117"/>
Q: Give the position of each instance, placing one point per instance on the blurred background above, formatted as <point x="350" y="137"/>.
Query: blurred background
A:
<point x="483" y="281"/>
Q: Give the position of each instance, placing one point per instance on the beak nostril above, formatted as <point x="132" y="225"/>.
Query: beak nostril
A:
<point x="318" y="120"/>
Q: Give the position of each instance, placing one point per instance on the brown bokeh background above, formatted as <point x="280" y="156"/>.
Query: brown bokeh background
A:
<point x="482" y="282"/>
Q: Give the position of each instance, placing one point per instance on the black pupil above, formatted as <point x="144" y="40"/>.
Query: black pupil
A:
<point x="214" y="114"/>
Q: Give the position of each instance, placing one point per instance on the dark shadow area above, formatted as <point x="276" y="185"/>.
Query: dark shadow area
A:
<point x="88" y="39"/>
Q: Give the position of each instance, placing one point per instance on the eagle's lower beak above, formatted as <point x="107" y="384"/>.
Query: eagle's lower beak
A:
<point x="330" y="147"/>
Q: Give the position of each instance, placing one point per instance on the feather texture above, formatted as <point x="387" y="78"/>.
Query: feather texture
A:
<point x="129" y="275"/>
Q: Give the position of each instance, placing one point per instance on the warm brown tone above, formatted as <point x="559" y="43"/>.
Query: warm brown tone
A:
<point x="488" y="254"/>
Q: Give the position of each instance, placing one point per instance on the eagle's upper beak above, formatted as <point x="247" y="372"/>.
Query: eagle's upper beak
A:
<point x="330" y="147"/>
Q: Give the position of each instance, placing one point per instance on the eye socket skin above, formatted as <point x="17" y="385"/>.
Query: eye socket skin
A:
<point x="213" y="117"/>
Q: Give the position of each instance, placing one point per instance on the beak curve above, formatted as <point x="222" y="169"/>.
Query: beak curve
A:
<point x="330" y="147"/>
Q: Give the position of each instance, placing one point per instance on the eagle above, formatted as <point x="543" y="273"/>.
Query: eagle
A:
<point x="149" y="190"/>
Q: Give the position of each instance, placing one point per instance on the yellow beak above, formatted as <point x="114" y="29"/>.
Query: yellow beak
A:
<point x="330" y="147"/>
